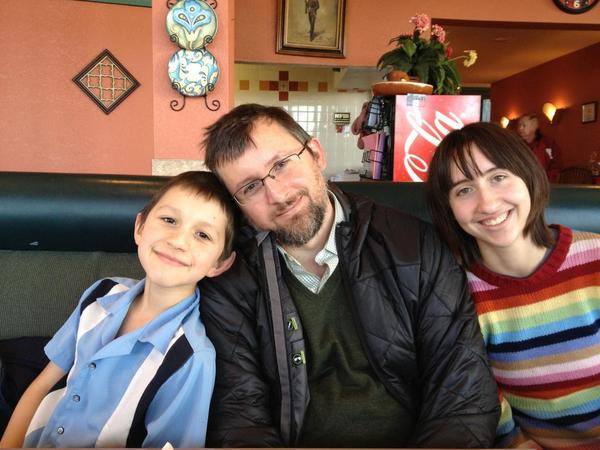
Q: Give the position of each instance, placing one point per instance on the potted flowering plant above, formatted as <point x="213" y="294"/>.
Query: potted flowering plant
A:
<point x="427" y="56"/>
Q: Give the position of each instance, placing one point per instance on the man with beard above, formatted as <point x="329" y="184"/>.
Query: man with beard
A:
<point x="343" y="323"/>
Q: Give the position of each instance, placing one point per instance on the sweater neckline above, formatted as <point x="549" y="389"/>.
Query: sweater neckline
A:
<point x="546" y="270"/>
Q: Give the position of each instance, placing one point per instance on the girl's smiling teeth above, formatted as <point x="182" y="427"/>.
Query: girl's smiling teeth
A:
<point x="497" y="220"/>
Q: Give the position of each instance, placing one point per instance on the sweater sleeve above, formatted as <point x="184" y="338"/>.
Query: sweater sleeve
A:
<point x="459" y="397"/>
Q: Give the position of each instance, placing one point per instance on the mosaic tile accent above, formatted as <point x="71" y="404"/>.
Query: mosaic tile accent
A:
<point x="322" y="86"/>
<point x="283" y="86"/>
<point x="106" y="81"/>
<point x="244" y="85"/>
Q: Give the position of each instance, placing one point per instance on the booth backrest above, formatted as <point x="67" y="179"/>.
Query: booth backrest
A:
<point x="61" y="232"/>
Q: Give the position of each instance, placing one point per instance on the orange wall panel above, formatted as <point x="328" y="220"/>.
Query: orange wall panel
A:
<point x="47" y="123"/>
<point x="568" y="83"/>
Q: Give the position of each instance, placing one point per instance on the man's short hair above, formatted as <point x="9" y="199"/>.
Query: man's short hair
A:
<point x="507" y="151"/>
<point x="207" y="186"/>
<point x="228" y="138"/>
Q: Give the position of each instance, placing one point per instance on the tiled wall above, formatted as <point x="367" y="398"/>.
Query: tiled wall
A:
<point x="310" y="96"/>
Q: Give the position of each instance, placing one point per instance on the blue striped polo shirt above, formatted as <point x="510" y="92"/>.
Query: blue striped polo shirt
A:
<point x="141" y="389"/>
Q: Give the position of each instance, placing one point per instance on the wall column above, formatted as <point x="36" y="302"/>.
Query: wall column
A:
<point x="178" y="134"/>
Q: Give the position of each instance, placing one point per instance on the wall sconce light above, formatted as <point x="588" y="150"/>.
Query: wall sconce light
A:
<point x="552" y="112"/>
<point x="504" y="121"/>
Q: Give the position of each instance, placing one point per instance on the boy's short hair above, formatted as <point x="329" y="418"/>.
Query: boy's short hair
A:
<point x="507" y="151"/>
<point x="206" y="185"/>
<point x="227" y="139"/>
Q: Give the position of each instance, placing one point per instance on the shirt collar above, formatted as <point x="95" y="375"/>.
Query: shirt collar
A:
<point x="330" y="248"/>
<point x="160" y="330"/>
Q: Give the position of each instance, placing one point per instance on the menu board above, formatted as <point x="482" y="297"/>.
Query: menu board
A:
<point x="420" y="123"/>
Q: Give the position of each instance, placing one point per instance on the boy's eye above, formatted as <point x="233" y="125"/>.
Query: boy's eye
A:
<point x="202" y="235"/>
<point x="168" y="220"/>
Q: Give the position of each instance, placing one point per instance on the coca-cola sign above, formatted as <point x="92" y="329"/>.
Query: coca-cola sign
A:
<point x="421" y="122"/>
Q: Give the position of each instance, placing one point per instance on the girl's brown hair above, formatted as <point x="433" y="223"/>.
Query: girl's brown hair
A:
<point x="504" y="149"/>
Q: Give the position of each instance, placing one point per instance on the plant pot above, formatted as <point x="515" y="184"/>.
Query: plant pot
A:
<point x="397" y="75"/>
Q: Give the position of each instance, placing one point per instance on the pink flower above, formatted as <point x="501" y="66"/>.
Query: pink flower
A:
<point x="449" y="52"/>
<point x="421" y="22"/>
<point x="439" y="33"/>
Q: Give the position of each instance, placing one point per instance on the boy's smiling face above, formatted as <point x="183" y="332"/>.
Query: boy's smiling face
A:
<point x="181" y="241"/>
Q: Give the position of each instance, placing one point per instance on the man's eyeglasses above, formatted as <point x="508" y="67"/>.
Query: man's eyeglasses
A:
<point x="280" y="170"/>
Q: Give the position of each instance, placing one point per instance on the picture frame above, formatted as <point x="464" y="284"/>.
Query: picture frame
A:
<point x="311" y="28"/>
<point x="589" y="112"/>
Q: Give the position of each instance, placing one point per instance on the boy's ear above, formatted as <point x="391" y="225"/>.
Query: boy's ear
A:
<point x="222" y="266"/>
<point x="137" y="229"/>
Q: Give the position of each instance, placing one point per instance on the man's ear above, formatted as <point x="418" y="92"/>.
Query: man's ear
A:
<point x="222" y="266"/>
<point x="318" y="153"/>
<point x="137" y="229"/>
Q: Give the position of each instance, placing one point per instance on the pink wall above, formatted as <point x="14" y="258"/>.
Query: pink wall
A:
<point x="566" y="83"/>
<point x="370" y="25"/>
<point x="47" y="123"/>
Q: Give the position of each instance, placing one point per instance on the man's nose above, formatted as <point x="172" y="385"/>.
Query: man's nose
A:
<point x="275" y="190"/>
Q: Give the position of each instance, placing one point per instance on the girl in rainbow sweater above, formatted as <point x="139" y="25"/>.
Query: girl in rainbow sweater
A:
<point x="536" y="288"/>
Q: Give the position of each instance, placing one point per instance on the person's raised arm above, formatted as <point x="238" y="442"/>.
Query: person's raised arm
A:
<point x="19" y="422"/>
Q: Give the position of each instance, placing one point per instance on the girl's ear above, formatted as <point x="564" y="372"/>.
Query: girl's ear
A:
<point x="137" y="229"/>
<point x="222" y="266"/>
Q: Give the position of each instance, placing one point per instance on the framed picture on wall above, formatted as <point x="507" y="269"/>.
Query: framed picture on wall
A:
<point x="311" y="27"/>
<point x="589" y="112"/>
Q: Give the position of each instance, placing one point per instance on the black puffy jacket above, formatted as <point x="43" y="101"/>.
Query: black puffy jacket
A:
<point x="415" y="318"/>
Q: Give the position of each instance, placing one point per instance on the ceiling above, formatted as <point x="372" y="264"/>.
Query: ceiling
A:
<point x="502" y="51"/>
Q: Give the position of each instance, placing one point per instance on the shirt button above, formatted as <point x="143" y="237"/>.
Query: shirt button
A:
<point x="92" y="366"/>
<point x="76" y="398"/>
<point x="60" y="430"/>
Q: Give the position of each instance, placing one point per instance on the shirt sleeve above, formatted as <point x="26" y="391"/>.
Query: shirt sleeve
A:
<point x="179" y="412"/>
<point x="61" y="348"/>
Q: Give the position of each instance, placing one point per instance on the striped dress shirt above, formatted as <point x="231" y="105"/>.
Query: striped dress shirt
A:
<point x="140" y="389"/>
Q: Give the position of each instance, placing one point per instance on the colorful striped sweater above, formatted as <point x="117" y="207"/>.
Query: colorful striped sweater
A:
<point x="542" y="335"/>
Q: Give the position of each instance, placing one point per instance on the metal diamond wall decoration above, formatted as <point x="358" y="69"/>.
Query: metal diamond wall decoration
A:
<point x="106" y="81"/>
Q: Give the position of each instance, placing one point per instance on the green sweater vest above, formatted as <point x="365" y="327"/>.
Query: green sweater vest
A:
<point x="349" y="406"/>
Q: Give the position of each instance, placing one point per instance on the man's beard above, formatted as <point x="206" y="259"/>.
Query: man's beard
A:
<point x="304" y="226"/>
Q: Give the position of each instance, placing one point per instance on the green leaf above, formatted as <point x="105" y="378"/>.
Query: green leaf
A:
<point x="422" y="71"/>
<point x="440" y="77"/>
<point x="409" y="47"/>
<point x="396" y="58"/>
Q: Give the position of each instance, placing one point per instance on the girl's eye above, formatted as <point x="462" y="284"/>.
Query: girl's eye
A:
<point x="463" y="191"/>
<point x="499" y="177"/>
<point x="168" y="220"/>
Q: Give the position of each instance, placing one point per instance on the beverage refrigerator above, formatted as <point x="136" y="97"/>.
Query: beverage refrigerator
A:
<point x="404" y="130"/>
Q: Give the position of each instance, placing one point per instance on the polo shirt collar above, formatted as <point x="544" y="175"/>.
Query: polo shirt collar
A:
<point x="163" y="327"/>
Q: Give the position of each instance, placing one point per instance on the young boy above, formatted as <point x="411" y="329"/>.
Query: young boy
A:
<point x="140" y="367"/>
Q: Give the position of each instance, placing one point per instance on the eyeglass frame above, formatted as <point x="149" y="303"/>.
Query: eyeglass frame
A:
<point x="269" y="175"/>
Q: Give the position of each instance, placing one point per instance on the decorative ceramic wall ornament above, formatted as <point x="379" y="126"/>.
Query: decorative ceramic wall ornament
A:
<point x="193" y="72"/>
<point x="191" y="24"/>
